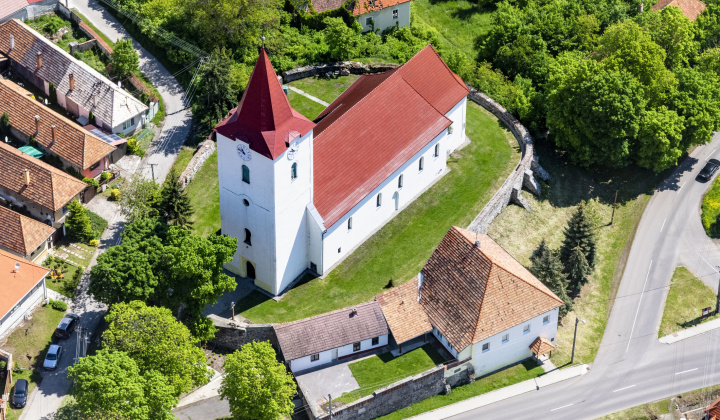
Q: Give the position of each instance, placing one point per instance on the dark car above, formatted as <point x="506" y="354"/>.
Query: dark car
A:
<point x="67" y="326"/>
<point x="19" y="397"/>
<point x="710" y="167"/>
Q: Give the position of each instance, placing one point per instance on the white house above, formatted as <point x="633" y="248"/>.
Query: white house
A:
<point x="301" y="195"/>
<point x="313" y="342"/>
<point x="372" y="15"/>
<point x="23" y="287"/>
<point x="478" y="301"/>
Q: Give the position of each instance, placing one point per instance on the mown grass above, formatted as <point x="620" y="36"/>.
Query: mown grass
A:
<point x="184" y="157"/>
<point x="326" y="89"/>
<point x="204" y="192"/>
<point x="401" y="248"/>
<point x="309" y="108"/>
<point x="380" y="370"/>
<point x="28" y="349"/>
<point x="519" y="232"/>
<point x="510" y="376"/>
<point x="65" y="286"/>
<point x="687" y="297"/>
<point x="649" y="411"/>
<point x="33" y="378"/>
<point x="711" y="210"/>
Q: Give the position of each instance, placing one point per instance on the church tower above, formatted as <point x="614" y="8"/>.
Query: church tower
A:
<point x="265" y="151"/>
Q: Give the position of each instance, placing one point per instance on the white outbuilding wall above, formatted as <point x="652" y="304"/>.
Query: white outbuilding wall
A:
<point x="385" y="18"/>
<point x="22" y="307"/>
<point x="327" y="356"/>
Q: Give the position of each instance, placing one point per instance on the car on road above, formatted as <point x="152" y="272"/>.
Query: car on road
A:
<point x="710" y="168"/>
<point x="19" y="397"/>
<point x="52" y="358"/>
<point x="67" y="326"/>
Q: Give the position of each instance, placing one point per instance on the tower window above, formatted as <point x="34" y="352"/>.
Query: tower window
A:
<point x="246" y="202"/>
<point x="293" y="171"/>
<point x="248" y="237"/>
<point x="421" y="164"/>
<point x="400" y="181"/>
<point x="378" y="201"/>
<point x="350" y="223"/>
<point x="245" y="174"/>
<point x="437" y="150"/>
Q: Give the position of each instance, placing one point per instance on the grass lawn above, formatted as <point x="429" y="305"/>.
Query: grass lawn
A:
<point x="32" y="376"/>
<point x="144" y="142"/>
<point x="711" y="210"/>
<point x="510" y="376"/>
<point x="401" y="248"/>
<point x="38" y="337"/>
<point x="381" y="370"/>
<point x="683" y="307"/>
<point x="519" y="232"/>
<point x="325" y="89"/>
<point x="84" y="251"/>
<point x="310" y="109"/>
<point x="641" y="412"/>
<point x="67" y="285"/>
<point x="204" y="192"/>
<point x="186" y="153"/>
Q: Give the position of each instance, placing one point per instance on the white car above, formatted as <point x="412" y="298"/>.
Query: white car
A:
<point x="52" y="357"/>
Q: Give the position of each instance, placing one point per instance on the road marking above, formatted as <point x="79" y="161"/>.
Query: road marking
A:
<point x="682" y="185"/>
<point x="685" y="371"/>
<point x="639" y="302"/>
<point x="711" y="153"/>
<point x="564" y="406"/>
<point x="623" y="389"/>
<point x="663" y="226"/>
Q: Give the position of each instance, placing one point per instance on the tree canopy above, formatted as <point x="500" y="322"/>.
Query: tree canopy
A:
<point x="78" y="223"/>
<point x="124" y="60"/>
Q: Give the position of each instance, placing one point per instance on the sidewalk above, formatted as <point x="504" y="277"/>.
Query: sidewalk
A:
<point x="504" y="393"/>
<point x="309" y="96"/>
<point x="691" y="332"/>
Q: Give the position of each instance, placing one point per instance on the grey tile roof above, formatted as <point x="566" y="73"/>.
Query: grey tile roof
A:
<point x="331" y="330"/>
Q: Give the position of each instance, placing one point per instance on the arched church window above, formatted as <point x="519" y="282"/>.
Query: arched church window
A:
<point x="248" y="237"/>
<point x="245" y="174"/>
<point x="421" y="165"/>
<point x="293" y="171"/>
<point x="378" y="201"/>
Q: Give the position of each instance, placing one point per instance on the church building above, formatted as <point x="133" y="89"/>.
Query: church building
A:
<point x="302" y="195"/>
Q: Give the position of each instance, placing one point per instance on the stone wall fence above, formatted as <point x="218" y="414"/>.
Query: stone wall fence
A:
<point x="231" y="335"/>
<point x="204" y="151"/>
<point x="5" y="396"/>
<point x="94" y="39"/>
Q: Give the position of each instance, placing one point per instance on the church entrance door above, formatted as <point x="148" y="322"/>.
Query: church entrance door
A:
<point x="250" y="270"/>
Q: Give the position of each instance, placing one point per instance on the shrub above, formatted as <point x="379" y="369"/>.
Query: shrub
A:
<point x="115" y="194"/>
<point x="49" y="261"/>
<point x="3" y="364"/>
<point x="91" y="118"/>
<point x="94" y="242"/>
<point x="91" y="182"/>
<point x="58" y="305"/>
<point x="133" y="147"/>
<point x="711" y="210"/>
<point x="97" y="223"/>
<point x="105" y="175"/>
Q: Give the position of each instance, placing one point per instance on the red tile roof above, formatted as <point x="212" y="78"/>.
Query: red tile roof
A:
<point x="404" y="314"/>
<point x="365" y="6"/>
<point x="21" y="234"/>
<point x="264" y="118"/>
<point x="713" y="410"/>
<point x="690" y="8"/>
<point x="8" y="7"/>
<point x="325" y="5"/>
<point x="376" y="126"/>
<point x="472" y="292"/>
<point x="16" y="283"/>
<point x="540" y="346"/>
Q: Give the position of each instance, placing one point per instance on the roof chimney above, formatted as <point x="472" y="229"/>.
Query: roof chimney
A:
<point x="12" y="42"/>
<point x="477" y="244"/>
<point x="354" y="311"/>
<point x="17" y="267"/>
<point x="72" y="82"/>
<point x="39" y="60"/>
<point x="52" y="131"/>
<point x="27" y="176"/>
<point x="37" y="124"/>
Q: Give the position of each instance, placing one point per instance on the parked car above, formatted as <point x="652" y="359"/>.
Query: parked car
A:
<point x="52" y="358"/>
<point x="19" y="397"/>
<point x="67" y="326"/>
<point x="710" y="167"/>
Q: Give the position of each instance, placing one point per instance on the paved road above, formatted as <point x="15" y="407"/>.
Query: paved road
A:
<point x="178" y="119"/>
<point x="211" y="408"/>
<point x="632" y="367"/>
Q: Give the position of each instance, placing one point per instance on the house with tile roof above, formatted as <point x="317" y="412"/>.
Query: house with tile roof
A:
<point x="690" y="8"/>
<point x="301" y="195"/>
<point x="712" y="412"/>
<point x="23" y="236"/>
<point x="54" y="134"/>
<point x="478" y="301"/>
<point x="313" y="342"/>
<point x="373" y="15"/>
<point x="23" y="288"/>
<point x="80" y="89"/>
<point x="35" y="188"/>
<point x="18" y="9"/>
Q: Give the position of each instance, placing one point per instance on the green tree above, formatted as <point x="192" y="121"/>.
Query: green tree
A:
<point x="709" y="61"/>
<point x="674" y="32"/>
<point x="342" y="41"/>
<point x="124" y="60"/>
<point x="174" y="201"/>
<point x="256" y="385"/>
<point x="78" y="223"/>
<point x="579" y="233"/>
<point x="53" y="93"/>
<point x="548" y="268"/>
<point x="156" y="340"/>
<point x="140" y="198"/>
<point x="5" y="123"/>
<point x="698" y="100"/>
<point x="578" y="269"/>
<point x="660" y="139"/>
<point x="110" y="385"/>
<point x="216" y="88"/>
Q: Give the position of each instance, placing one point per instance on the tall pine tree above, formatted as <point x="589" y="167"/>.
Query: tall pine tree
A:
<point x="579" y="233"/>
<point x="174" y="202"/>
<point x="577" y="269"/>
<point x="78" y="223"/>
<point x="548" y="268"/>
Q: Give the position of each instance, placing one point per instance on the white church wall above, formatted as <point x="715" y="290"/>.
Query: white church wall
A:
<point x="367" y="217"/>
<point x="517" y="347"/>
<point x="315" y="238"/>
<point x="457" y="115"/>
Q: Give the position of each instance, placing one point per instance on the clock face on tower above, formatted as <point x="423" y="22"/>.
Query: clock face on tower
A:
<point x="244" y="152"/>
<point x="292" y="150"/>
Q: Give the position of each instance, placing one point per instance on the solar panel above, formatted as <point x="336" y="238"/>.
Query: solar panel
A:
<point x="107" y="138"/>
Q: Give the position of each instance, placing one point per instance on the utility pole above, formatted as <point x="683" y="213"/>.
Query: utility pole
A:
<point x="717" y="301"/>
<point x="232" y="306"/>
<point x="613" y="212"/>
<point x="330" y="405"/>
<point x="152" y="168"/>
<point x="572" y="358"/>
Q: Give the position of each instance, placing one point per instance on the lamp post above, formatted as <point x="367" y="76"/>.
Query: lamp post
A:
<point x="577" y="320"/>
<point x="717" y="301"/>
<point x="232" y="306"/>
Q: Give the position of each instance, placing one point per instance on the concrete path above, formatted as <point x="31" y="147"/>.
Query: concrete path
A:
<point x="209" y="390"/>
<point x="307" y="95"/>
<point x="209" y="409"/>
<point x="334" y="380"/>
<point x="164" y="148"/>
<point x="691" y="332"/>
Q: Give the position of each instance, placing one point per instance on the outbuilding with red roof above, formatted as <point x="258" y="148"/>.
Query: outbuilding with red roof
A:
<point x="23" y="287"/>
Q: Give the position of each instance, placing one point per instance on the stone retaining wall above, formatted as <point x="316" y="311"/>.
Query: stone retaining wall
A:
<point x="201" y="155"/>
<point x="231" y="335"/>
<point x="343" y="68"/>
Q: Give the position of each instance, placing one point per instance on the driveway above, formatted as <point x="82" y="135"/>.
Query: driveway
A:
<point x="334" y="380"/>
<point x="164" y="149"/>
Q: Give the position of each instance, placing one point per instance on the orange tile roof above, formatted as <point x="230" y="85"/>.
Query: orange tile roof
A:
<point x="472" y="292"/>
<point x="366" y="6"/>
<point x="73" y="143"/>
<point x="690" y="8"/>
<point x="21" y="234"/>
<point x="49" y="186"/>
<point x="404" y="314"/>
<point x="16" y="284"/>
<point x="713" y="410"/>
<point x="325" y="5"/>
<point x="541" y="346"/>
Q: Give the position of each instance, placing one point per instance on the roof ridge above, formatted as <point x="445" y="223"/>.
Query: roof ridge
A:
<point x="325" y="314"/>
<point x="423" y="98"/>
<point x="24" y="237"/>
<point x="452" y="73"/>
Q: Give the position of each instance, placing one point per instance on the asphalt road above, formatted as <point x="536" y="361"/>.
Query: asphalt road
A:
<point x="632" y="367"/>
